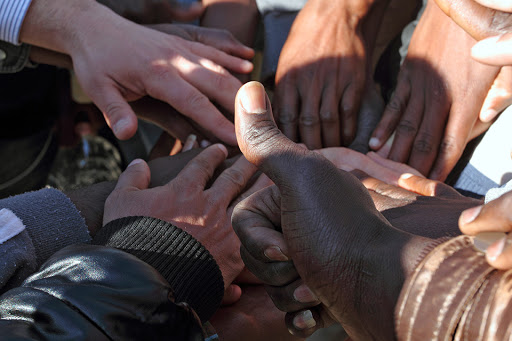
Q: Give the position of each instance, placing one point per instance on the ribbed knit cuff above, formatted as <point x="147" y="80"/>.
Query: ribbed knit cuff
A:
<point x="51" y="219"/>
<point x="189" y="268"/>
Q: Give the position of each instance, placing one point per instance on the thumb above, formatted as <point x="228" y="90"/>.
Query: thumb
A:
<point x="136" y="176"/>
<point x="259" y="139"/>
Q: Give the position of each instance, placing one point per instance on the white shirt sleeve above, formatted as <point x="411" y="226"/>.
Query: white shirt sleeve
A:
<point x="12" y="13"/>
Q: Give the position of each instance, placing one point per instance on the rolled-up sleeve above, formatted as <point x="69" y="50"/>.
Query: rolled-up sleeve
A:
<point x="12" y="13"/>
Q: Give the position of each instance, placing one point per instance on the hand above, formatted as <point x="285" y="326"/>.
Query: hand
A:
<point x="494" y="216"/>
<point x="322" y="71"/>
<point x="437" y="99"/>
<point x="403" y="195"/>
<point x="410" y="207"/>
<point x="153" y="12"/>
<point x="117" y="61"/>
<point x="204" y="212"/>
<point x="477" y="19"/>
<point x="317" y="227"/>
<point x="253" y="318"/>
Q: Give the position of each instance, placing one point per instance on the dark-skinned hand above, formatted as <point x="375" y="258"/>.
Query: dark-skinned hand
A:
<point x="315" y="238"/>
<point x="438" y="97"/>
<point x="322" y="71"/>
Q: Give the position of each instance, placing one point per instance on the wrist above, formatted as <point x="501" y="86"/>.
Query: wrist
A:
<point x="61" y="25"/>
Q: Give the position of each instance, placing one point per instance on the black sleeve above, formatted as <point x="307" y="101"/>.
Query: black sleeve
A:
<point x="190" y="269"/>
<point x="90" y="292"/>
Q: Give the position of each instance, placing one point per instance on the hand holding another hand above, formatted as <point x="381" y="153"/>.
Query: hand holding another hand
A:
<point x="315" y="239"/>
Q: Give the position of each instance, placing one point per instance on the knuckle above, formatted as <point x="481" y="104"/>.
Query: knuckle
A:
<point x="114" y="109"/>
<point x="395" y="106"/>
<point x="221" y="81"/>
<point x="449" y="146"/>
<point x="235" y="177"/>
<point x="260" y="133"/>
<point x="329" y="117"/>
<point x="424" y="144"/>
<point x="309" y="120"/>
<point x="406" y="127"/>
<point x="287" y="117"/>
<point x="196" y="100"/>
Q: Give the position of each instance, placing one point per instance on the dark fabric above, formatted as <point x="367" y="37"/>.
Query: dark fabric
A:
<point x="16" y="57"/>
<point x="188" y="267"/>
<point x="89" y="292"/>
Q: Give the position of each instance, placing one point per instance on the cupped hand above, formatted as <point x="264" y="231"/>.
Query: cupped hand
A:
<point x="483" y="221"/>
<point x="438" y="97"/>
<point x="317" y="230"/>
<point x="190" y="202"/>
<point x="321" y="76"/>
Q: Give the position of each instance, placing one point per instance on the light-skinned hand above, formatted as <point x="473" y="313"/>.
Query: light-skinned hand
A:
<point x="495" y="216"/>
<point x="117" y="61"/>
<point x="190" y="202"/>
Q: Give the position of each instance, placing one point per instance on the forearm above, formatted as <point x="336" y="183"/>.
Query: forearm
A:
<point x="122" y="294"/>
<point x="469" y="299"/>
<point x="61" y="25"/>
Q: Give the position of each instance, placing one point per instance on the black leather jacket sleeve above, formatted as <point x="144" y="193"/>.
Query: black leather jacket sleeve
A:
<point x="92" y="292"/>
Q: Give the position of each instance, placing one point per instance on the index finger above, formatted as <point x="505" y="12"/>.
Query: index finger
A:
<point x="200" y="169"/>
<point x="192" y="103"/>
<point x="233" y="180"/>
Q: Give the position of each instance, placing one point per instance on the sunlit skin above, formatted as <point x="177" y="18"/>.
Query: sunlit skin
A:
<point x="116" y="61"/>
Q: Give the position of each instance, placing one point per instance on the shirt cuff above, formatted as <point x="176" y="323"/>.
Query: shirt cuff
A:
<point x="12" y="13"/>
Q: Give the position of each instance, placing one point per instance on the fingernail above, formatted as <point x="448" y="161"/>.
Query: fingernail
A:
<point x="406" y="176"/>
<point x="488" y="115"/>
<point x="120" y="126"/>
<point x="374" y="142"/>
<point x="134" y="162"/>
<point x="205" y="143"/>
<point x="485" y="47"/>
<point x="496" y="249"/>
<point x="247" y="65"/>
<point x="483" y="240"/>
<point x="469" y="215"/>
<point x="304" y="320"/>
<point x="276" y="254"/>
<point x="223" y="148"/>
<point x="253" y="98"/>
<point x="304" y="295"/>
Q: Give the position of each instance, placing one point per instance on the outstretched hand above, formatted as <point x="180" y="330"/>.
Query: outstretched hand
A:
<point x="437" y="100"/>
<point x="117" y="61"/>
<point x="188" y="202"/>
